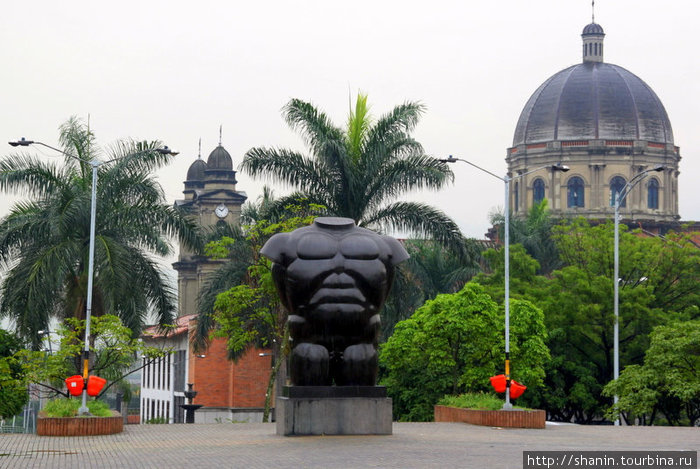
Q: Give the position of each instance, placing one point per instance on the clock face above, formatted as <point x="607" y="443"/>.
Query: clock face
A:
<point x="221" y="211"/>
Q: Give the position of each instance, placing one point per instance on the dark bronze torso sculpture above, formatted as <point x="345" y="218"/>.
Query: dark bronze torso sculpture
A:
<point x="333" y="278"/>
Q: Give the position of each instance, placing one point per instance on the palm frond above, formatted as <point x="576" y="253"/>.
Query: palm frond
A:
<point x="315" y="127"/>
<point x="288" y="167"/>
<point x="419" y="219"/>
<point x="413" y="172"/>
<point x="27" y="175"/>
<point x="359" y="123"/>
<point x="401" y="120"/>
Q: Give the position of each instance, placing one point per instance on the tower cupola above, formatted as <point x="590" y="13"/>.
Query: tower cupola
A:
<point x="593" y="36"/>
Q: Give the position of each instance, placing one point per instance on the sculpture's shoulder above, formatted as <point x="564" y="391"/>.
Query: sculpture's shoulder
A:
<point x="398" y="253"/>
<point x="276" y="248"/>
<point x="392" y="249"/>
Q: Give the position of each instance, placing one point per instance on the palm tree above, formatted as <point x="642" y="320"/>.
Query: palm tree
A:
<point x="44" y="240"/>
<point x="361" y="171"/>
<point x="534" y="232"/>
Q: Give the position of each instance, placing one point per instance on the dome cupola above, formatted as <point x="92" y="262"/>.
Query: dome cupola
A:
<point x="220" y="159"/>
<point x="593" y="36"/>
<point x="196" y="170"/>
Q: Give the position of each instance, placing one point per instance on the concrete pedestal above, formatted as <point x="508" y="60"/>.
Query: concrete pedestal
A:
<point x="333" y="410"/>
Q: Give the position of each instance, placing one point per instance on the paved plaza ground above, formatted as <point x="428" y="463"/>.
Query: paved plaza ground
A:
<point x="249" y="446"/>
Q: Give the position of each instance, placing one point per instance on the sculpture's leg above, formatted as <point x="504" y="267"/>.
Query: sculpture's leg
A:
<point x="359" y="366"/>
<point x="309" y="365"/>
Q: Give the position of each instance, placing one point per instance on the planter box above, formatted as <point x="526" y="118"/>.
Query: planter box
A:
<point x="79" y="426"/>
<point x="492" y="418"/>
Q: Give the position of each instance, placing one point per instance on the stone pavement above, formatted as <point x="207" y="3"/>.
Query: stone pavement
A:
<point x="249" y="446"/>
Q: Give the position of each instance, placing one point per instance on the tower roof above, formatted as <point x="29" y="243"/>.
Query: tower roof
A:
<point x="219" y="158"/>
<point x="196" y="170"/>
<point x="593" y="28"/>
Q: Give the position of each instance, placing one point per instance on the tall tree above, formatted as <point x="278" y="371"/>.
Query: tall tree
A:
<point x="361" y="170"/>
<point x="666" y="388"/>
<point x="453" y="344"/>
<point x="44" y="240"/>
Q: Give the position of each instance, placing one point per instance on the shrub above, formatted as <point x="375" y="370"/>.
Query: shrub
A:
<point x="157" y="420"/>
<point x="69" y="408"/>
<point x="475" y="400"/>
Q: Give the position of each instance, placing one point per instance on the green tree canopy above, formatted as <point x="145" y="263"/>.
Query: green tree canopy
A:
<point x="656" y="288"/>
<point x="666" y="387"/>
<point x="453" y="344"/>
<point x="13" y="391"/>
<point x="114" y="351"/>
<point x="44" y="240"/>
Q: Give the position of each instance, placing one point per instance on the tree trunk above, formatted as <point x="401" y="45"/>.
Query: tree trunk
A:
<point x="278" y="358"/>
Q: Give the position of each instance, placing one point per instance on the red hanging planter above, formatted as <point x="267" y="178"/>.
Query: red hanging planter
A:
<point x="516" y="389"/>
<point x="75" y="385"/>
<point x="498" y="382"/>
<point x="95" y="385"/>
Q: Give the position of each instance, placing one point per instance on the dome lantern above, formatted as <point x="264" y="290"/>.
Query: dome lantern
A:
<point x="593" y="36"/>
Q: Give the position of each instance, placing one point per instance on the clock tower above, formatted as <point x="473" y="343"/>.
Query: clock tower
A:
<point x="210" y="198"/>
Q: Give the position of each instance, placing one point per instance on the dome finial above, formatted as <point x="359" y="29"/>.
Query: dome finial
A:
<point x="220" y="132"/>
<point x="199" y="155"/>
<point x="592" y="11"/>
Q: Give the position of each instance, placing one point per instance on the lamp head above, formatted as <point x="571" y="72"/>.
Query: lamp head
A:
<point x="658" y="168"/>
<point x="560" y="167"/>
<point x="449" y="159"/>
<point x="23" y="142"/>
<point x="167" y="151"/>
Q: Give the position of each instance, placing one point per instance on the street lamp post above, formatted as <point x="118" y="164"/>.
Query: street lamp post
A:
<point x="506" y="252"/>
<point x="619" y="198"/>
<point x="94" y="163"/>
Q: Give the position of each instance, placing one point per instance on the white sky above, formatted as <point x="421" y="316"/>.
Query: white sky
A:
<point x="175" y="71"/>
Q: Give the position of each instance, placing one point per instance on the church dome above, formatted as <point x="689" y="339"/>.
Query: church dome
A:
<point x="220" y="159"/>
<point x="196" y="170"/>
<point x="593" y="100"/>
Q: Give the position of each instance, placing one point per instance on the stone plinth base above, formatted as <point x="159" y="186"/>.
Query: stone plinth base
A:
<point x="333" y="410"/>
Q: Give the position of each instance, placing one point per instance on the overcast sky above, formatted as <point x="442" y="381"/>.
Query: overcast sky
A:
<point x="175" y="71"/>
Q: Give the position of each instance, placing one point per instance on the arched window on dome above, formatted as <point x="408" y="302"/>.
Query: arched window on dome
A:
<point x="653" y="194"/>
<point x="537" y="191"/>
<point x="616" y="185"/>
<point x="575" y="192"/>
<point x="516" y="193"/>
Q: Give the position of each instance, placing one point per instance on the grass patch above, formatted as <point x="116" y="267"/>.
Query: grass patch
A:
<point x="69" y="408"/>
<point x="474" y="400"/>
